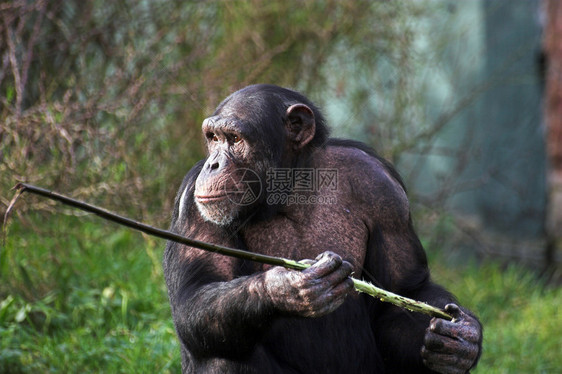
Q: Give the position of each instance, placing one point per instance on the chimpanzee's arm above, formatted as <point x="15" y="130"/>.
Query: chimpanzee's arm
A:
<point x="396" y="261"/>
<point x="214" y="316"/>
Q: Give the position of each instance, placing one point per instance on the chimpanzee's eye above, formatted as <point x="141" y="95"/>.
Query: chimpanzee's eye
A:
<point x="212" y="137"/>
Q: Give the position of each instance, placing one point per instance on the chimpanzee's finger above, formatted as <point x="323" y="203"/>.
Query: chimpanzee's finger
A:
<point x="326" y="263"/>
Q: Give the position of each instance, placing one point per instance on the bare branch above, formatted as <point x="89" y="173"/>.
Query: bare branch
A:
<point x="361" y="286"/>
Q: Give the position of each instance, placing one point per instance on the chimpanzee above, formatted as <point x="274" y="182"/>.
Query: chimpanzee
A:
<point x="274" y="183"/>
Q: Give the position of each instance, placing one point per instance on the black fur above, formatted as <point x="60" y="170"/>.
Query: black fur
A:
<point x="223" y="320"/>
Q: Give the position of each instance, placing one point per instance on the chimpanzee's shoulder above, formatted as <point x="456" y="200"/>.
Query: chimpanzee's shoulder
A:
<point x="353" y="157"/>
<point x="369" y="177"/>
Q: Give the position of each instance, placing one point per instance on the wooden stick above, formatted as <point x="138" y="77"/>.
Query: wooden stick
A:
<point x="361" y="286"/>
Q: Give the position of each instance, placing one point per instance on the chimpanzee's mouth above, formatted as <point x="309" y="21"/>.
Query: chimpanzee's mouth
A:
<point x="210" y="198"/>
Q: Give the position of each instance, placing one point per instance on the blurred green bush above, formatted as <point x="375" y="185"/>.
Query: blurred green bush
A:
<point x="104" y="100"/>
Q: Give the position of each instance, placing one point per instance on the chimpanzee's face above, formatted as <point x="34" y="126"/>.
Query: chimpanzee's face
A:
<point x="251" y="132"/>
<point x="233" y="177"/>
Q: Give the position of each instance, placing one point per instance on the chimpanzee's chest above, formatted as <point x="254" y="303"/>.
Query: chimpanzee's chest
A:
<point x="310" y="230"/>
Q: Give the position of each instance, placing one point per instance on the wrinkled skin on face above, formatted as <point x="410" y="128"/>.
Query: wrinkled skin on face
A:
<point x="222" y="182"/>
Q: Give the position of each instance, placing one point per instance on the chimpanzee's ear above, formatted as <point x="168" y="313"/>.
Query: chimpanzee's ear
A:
<point x="301" y="125"/>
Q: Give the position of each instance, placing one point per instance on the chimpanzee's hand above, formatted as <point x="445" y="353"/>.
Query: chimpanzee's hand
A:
<point x="452" y="347"/>
<point x="313" y="292"/>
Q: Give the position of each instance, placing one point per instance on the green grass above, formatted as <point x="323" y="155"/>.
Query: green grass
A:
<point x="521" y="316"/>
<point x="83" y="295"/>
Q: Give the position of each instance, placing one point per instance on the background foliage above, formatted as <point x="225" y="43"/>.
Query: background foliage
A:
<point x="103" y="101"/>
<point x="97" y="97"/>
